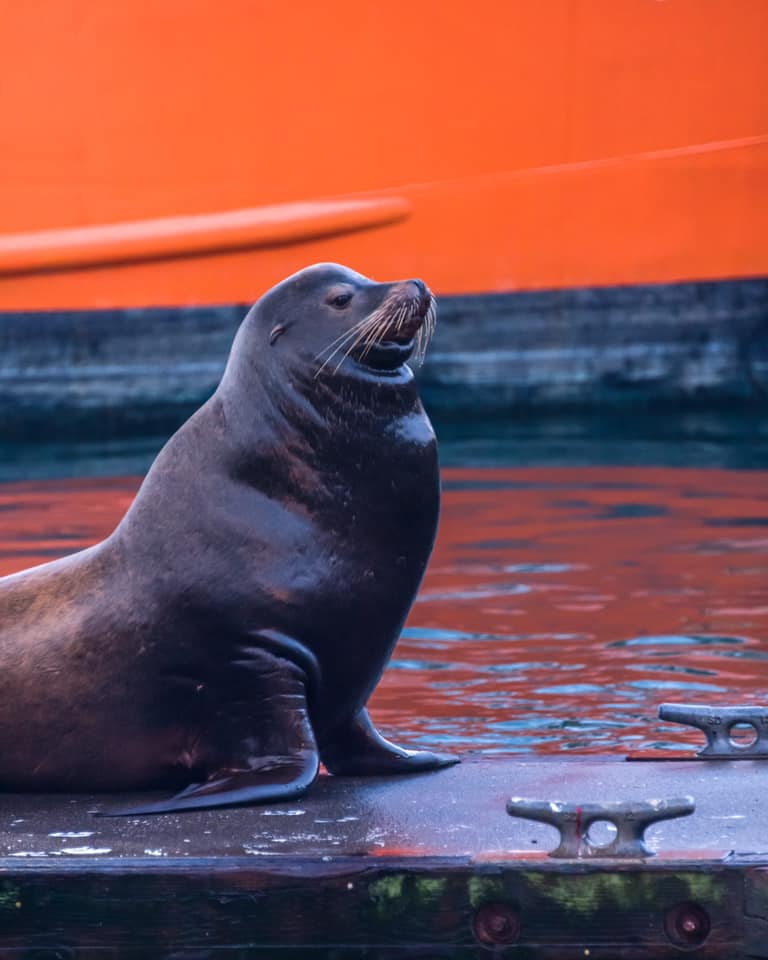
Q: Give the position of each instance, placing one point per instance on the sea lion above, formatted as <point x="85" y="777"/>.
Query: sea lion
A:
<point x="227" y="636"/>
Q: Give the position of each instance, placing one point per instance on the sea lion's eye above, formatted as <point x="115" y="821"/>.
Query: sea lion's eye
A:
<point x="341" y="300"/>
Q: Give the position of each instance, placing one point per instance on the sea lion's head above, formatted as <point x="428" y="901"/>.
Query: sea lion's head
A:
<point x="339" y="322"/>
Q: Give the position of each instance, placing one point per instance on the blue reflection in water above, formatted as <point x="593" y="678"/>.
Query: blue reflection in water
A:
<point x="674" y="640"/>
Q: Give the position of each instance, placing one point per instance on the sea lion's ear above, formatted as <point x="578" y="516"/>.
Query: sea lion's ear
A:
<point x="276" y="332"/>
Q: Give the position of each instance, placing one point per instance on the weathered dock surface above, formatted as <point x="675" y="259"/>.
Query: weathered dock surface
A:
<point x="104" y="371"/>
<point x="429" y="866"/>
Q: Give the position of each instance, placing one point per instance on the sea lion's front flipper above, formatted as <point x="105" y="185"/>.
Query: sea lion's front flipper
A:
<point x="261" y="744"/>
<point x="359" y="749"/>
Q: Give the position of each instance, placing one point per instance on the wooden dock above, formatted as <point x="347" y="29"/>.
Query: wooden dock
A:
<point x="428" y="866"/>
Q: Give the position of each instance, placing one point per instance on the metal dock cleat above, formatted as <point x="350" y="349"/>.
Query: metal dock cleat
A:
<point x="733" y="733"/>
<point x="577" y="823"/>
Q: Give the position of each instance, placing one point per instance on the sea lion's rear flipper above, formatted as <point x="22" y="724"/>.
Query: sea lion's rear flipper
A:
<point x="360" y="750"/>
<point x="260" y="746"/>
<point x="275" y="779"/>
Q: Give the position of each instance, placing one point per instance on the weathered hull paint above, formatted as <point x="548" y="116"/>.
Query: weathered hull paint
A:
<point x="104" y="372"/>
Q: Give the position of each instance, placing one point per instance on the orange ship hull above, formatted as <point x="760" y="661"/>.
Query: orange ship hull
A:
<point x="190" y="153"/>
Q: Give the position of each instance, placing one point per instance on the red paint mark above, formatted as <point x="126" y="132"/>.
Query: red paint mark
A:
<point x="578" y="831"/>
<point x="396" y="851"/>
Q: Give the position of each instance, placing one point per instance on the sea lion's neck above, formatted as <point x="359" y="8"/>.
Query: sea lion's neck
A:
<point x="293" y="420"/>
<point x="299" y="397"/>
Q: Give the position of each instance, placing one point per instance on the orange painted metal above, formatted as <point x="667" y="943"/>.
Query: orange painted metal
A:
<point x="172" y="237"/>
<point x="566" y="143"/>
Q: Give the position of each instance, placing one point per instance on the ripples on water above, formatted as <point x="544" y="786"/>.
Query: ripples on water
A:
<point x="561" y="606"/>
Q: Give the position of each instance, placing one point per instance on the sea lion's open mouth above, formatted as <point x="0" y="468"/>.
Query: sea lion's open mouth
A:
<point x="399" y="338"/>
<point x="395" y="344"/>
<point x="386" y="354"/>
<point x="406" y="321"/>
<point x="404" y="330"/>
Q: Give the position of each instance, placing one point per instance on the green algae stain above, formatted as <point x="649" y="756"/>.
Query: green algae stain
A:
<point x="587" y="893"/>
<point x="403" y="895"/>
<point x="483" y="889"/>
<point x="429" y="888"/>
<point x="387" y="888"/>
<point x="703" y="888"/>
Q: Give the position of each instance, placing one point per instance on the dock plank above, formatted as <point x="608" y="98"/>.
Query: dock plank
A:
<point x="415" y="866"/>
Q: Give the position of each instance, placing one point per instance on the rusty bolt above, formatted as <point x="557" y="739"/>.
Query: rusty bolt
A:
<point x="496" y="923"/>
<point x="687" y="925"/>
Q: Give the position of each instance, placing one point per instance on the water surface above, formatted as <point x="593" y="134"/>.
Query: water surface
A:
<point x="561" y="606"/>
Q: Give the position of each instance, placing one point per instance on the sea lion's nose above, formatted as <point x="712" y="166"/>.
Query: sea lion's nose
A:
<point x="424" y="295"/>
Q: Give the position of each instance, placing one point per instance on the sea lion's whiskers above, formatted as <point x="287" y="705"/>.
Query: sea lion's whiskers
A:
<point x="378" y="327"/>
<point x="426" y="332"/>
<point x="369" y="330"/>
<point x="372" y="337"/>
<point x="352" y="337"/>
<point x="376" y="335"/>
<point x="363" y="330"/>
<point x="378" y="321"/>
<point x="342" y="337"/>
<point x="355" y="334"/>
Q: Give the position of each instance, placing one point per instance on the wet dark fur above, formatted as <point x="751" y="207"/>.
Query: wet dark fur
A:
<point x="228" y="634"/>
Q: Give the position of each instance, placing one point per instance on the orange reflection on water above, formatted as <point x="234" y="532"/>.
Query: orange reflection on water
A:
<point x="47" y="519"/>
<point x="561" y="606"/>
